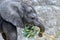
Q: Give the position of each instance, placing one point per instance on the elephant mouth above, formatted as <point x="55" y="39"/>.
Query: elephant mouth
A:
<point x="29" y="25"/>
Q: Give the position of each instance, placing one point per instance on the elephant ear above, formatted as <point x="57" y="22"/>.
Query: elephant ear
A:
<point x="10" y="15"/>
<point x="14" y="19"/>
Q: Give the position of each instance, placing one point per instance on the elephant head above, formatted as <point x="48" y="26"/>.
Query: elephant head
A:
<point x="31" y="17"/>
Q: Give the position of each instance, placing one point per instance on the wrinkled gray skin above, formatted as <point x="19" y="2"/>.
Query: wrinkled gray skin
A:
<point x="15" y="14"/>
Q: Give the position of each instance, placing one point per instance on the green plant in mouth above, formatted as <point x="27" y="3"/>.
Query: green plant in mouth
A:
<point x="30" y="31"/>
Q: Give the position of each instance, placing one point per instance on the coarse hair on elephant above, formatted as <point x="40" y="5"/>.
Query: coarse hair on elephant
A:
<point x="13" y="14"/>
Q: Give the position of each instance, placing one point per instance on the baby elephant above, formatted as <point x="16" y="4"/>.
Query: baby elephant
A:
<point x="15" y="14"/>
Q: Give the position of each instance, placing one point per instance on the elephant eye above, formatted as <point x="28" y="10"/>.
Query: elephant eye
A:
<point x="32" y="18"/>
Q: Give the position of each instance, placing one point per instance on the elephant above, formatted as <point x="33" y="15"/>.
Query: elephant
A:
<point x="13" y="14"/>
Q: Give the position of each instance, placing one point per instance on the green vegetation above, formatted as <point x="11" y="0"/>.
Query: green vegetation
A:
<point x="30" y="31"/>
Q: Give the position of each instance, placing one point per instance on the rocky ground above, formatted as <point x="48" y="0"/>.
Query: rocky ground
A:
<point x="49" y="12"/>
